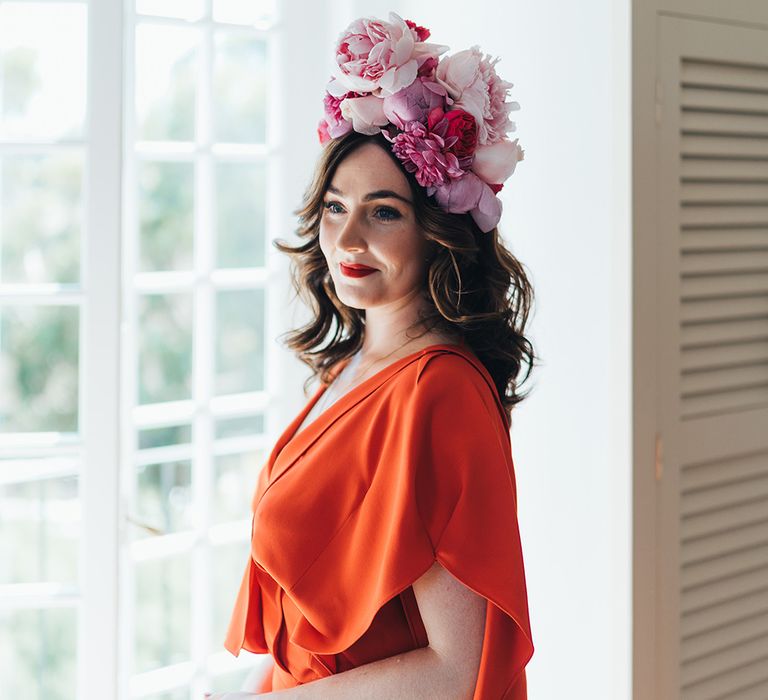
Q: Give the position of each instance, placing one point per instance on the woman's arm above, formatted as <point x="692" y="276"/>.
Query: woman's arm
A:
<point x="454" y="618"/>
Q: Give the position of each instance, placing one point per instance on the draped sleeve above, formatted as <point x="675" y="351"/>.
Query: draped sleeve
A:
<point x="442" y="487"/>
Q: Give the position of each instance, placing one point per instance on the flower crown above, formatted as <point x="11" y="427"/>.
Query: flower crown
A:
<point x="446" y="118"/>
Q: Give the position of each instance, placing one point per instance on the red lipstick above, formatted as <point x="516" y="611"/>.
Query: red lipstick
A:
<point x="356" y="270"/>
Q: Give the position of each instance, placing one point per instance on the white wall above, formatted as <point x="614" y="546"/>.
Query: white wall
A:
<point x="567" y="217"/>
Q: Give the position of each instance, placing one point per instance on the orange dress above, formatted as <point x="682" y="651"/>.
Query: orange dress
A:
<point x="412" y="465"/>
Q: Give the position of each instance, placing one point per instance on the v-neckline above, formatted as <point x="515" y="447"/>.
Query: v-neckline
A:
<point x="299" y="431"/>
<point x="293" y="442"/>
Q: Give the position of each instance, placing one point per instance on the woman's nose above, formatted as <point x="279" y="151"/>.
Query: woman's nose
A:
<point x="351" y="234"/>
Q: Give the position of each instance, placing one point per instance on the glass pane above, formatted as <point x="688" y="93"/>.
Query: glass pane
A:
<point x="234" y="482"/>
<point x="166" y="74"/>
<point x="240" y="341"/>
<point x="228" y="563"/>
<point x="183" y="9"/>
<point x="164" y="496"/>
<point x="39" y="368"/>
<point x="165" y="347"/>
<point x="257" y="12"/>
<point x="241" y="214"/>
<point x="43" y="47"/>
<point x="239" y="88"/>
<point x="41" y="217"/>
<point x="242" y="425"/>
<point x="169" y="435"/>
<point x="166" y="211"/>
<point x="163" y="612"/>
<point x="39" y="531"/>
<point x="38" y="654"/>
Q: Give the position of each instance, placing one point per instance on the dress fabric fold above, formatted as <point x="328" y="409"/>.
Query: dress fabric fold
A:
<point x="412" y="466"/>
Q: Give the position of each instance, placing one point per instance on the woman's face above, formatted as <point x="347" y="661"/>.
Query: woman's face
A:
<point x="368" y="219"/>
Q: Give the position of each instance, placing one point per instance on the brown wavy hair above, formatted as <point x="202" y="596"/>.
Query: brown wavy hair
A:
<point x="478" y="292"/>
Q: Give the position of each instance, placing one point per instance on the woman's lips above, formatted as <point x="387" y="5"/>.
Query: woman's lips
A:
<point x="356" y="270"/>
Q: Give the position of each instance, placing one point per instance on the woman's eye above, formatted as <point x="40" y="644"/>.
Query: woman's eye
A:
<point x="329" y="206"/>
<point x="389" y="213"/>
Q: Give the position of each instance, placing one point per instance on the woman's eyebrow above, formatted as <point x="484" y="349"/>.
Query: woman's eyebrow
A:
<point x="378" y="194"/>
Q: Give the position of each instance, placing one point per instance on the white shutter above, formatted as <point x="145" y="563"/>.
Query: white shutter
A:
<point x="712" y="360"/>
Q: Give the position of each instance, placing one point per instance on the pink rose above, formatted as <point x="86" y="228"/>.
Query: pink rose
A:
<point x="496" y="162"/>
<point x="382" y="57"/>
<point x="472" y="82"/>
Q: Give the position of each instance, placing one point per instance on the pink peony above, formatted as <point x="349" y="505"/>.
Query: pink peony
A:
<point x="497" y="161"/>
<point x="415" y="102"/>
<point x="336" y="124"/>
<point x="427" y="154"/>
<point x="382" y="57"/>
<point x="470" y="194"/>
<point x="366" y="114"/>
<point x="472" y="82"/>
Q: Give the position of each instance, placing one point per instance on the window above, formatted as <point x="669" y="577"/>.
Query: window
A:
<point x="134" y="288"/>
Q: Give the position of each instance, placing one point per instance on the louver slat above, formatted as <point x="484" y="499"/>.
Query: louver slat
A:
<point x="723" y="331"/>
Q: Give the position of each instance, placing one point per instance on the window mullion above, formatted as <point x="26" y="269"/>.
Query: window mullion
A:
<point x="99" y="361"/>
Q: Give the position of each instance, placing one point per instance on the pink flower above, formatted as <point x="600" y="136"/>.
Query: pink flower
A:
<point x="472" y="82"/>
<point x="422" y="34"/>
<point x="427" y="154"/>
<point x="415" y="102"/>
<point x="382" y="57"/>
<point x="470" y="194"/>
<point x="322" y="131"/>
<point x="336" y="124"/>
<point x="494" y="163"/>
<point x="366" y="114"/>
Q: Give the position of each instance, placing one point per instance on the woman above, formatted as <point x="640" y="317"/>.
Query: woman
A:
<point x="386" y="558"/>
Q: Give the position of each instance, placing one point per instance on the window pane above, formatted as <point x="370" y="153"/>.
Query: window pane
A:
<point x="242" y="425"/>
<point x="240" y="341"/>
<point x="183" y="9"/>
<point x="241" y="214"/>
<point x="42" y="64"/>
<point x="38" y="659"/>
<point x="227" y="568"/>
<point x="41" y="217"/>
<point x="166" y="209"/>
<point x="258" y="12"/>
<point x="239" y="88"/>
<point x="39" y="531"/>
<point x="164" y="496"/>
<point x="165" y="347"/>
<point x="169" y="435"/>
<point x="166" y="73"/>
<point x="163" y="612"/>
<point x="38" y="368"/>
<point x="234" y="482"/>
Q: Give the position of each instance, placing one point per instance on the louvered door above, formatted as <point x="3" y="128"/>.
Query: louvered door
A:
<point x="712" y="360"/>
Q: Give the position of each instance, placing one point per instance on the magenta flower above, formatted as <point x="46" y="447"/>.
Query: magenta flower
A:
<point x="427" y="154"/>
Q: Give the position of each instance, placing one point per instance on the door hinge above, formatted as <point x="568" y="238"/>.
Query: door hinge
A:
<point x="658" y="459"/>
